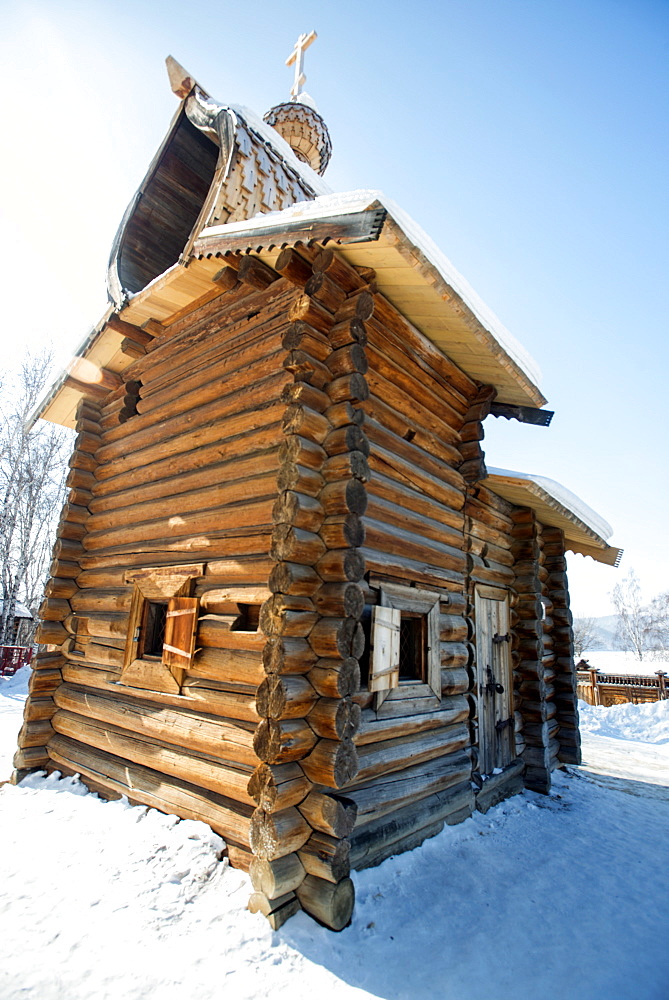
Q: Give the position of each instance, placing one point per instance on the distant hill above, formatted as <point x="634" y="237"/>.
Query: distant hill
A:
<point x="605" y="631"/>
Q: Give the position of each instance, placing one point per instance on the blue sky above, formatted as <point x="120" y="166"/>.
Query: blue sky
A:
<point x="528" y="138"/>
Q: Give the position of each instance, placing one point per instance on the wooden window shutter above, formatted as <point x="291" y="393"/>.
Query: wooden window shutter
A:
<point x="180" y="629"/>
<point x="384" y="660"/>
<point x="433" y="677"/>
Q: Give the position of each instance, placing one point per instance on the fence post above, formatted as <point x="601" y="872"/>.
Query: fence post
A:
<point x="593" y="684"/>
<point x="662" y="685"/>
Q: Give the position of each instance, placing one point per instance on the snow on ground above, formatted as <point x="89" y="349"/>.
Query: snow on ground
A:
<point x="13" y="692"/>
<point x="618" y="662"/>
<point x="564" y="896"/>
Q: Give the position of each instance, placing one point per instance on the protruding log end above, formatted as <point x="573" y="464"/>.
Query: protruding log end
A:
<point x="331" y="763"/>
<point x="329" y="903"/>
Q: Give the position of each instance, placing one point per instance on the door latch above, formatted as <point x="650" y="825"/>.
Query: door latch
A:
<point x="503" y="723"/>
<point x="497" y="638"/>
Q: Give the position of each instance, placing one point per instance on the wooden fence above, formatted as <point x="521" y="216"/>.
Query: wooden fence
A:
<point x="615" y="689"/>
<point x="12" y="658"/>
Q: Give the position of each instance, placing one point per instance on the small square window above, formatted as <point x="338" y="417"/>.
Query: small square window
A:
<point x="413" y="646"/>
<point x="152" y="629"/>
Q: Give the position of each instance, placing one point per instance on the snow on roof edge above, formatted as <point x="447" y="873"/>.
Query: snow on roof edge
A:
<point x="563" y="496"/>
<point x="342" y="203"/>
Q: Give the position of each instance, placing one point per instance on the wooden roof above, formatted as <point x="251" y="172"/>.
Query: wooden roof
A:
<point x="585" y="531"/>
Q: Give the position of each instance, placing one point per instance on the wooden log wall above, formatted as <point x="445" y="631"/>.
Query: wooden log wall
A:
<point x="414" y="752"/>
<point x="178" y="465"/>
<point x="557" y="595"/>
<point x="490" y="561"/>
<point x="311" y="623"/>
<point x="533" y="654"/>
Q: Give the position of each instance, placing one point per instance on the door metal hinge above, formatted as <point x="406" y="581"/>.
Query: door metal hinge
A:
<point x="501" y="638"/>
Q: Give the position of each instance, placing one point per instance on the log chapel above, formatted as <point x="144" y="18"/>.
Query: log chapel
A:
<point x="287" y="596"/>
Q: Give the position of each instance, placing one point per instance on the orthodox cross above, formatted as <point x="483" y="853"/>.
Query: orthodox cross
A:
<point x="297" y="57"/>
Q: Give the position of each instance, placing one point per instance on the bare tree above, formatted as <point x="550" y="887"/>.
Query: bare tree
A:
<point x="586" y="635"/>
<point x="32" y="490"/>
<point x="659" y="638"/>
<point x="635" y="619"/>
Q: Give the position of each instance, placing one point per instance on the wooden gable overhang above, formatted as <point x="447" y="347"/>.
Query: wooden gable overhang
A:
<point x="368" y="231"/>
<point x="585" y="532"/>
<point x="217" y="163"/>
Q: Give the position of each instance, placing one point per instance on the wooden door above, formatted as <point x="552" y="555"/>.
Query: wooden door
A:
<point x="494" y="679"/>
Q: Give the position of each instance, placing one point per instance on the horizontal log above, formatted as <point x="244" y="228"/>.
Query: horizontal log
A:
<point x="326" y="857"/>
<point x="306" y="395"/>
<point x="141" y="784"/>
<point x="51" y="633"/>
<point x="282" y="614"/>
<point x="273" y="835"/>
<point x="54" y="609"/>
<point x="330" y="263"/>
<point x="299" y="478"/>
<point x="37" y="708"/>
<point x="288" y="656"/>
<point x="373" y="729"/>
<point x="348" y="359"/>
<point x="335" y="718"/>
<point x="331" y="763"/>
<point x="337" y="637"/>
<point x="409" y="570"/>
<point x="335" y="678"/>
<point x="341" y="565"/>
<point x="307" y="309"/>
<point x="401" y="788"/>
<point x="275" y="878"/>
<point x="279" y="742"/>
<point x="358" y="305"/>
<point x="352" y="387"/>
<point x="351" y="331"/>
<point x="298" y="510"/>
<point x="201" y="771"/>
<point x="325" y="291"/>
<point x="342" y="531"/>
<point x="370" y="843"/>
<point x="391" y="755"/>
<point x="61" y="588"/>
<point x="350" y="437"/>
<point x="308" y="423"/>
<point x="181" y="728"/>
<point x="294" y="267"/>
<point x="329" y="814"/>
<point x="195" y="501"/>
<point x="290" y="697"/>
<point x="96" y="601"/>
<point x="35" y="733"/>
<point x="328" y="902"/>
<point x="340" y="600"/>
<point x="349" y="465"/>
<point x="294" y="578"/>
<point x="455" y="681"/>
<point x="344" y="496"/>
<point x="274" y="787"/>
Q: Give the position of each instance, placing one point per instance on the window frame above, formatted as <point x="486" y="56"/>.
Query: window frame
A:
<point x="170" y="585"/>
<point x="384" y="681"/>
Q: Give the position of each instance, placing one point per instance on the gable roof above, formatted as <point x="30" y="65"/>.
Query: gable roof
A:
<point x="368" y="229"/>
<point x="585" y="531"/>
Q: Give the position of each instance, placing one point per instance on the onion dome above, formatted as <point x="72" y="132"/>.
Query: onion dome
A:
<point x="305" y="131"/>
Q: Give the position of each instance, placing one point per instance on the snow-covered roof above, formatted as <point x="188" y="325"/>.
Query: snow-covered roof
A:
<point x="585" y="530"/>
<point x="411" y="271"/>
<point x="20" y="610"/>
<point x="349" y="202"/>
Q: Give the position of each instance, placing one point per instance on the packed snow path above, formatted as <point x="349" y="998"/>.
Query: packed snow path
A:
<point x="565" y="896"/>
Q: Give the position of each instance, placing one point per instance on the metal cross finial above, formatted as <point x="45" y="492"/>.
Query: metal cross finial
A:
<point x="297" y="57"/>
